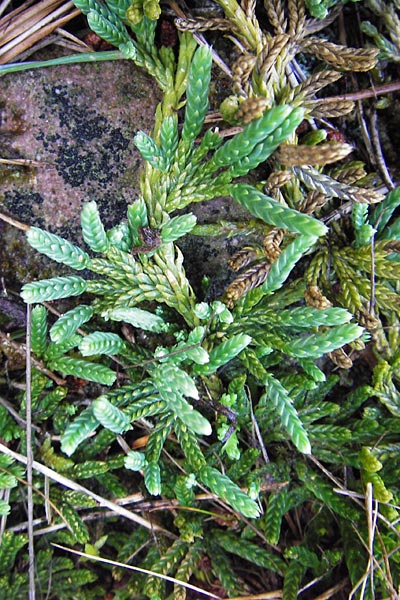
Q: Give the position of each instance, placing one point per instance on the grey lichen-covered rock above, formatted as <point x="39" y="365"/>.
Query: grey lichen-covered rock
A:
<point x="77" y="123"/>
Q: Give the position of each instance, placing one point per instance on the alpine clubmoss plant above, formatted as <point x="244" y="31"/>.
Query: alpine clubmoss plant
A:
<point x="223" y="413"/>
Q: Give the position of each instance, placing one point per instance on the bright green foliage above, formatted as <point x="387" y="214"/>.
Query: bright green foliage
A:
<point x="136" y="317"/>
<point x="270" y="211"/>
<point x="55" y="350"/>
<point x="57" y="248"/>
<point x="112" y="30"/>
<point x="382" y="212"/>
<point x="150" y="151"/>
<point x="53" y="289"/>
<point x="119" y="7"/>
<point x="172" y="383"/>
<point x="362" y="229"/>
<point x="75" y="524"/>
<point x="93" y="229"/>
<point x="272" y="128"/>
<point x="100" y="342"/>
<point x="319" y="8"/>
<point x="223" y="487"/>
<point x="110" y="416"/>
<point x="188" y="368"/>
<point x="9" y="547"/>
<point x="183" y="489"/>
<point x="135" y="461"/>
<point x="169" y="138"/>
<point x="152" y="478"/>
<point x="69" y="322"/>
<point x="38" y="330"/>
<point x="78" y="431"/>
<point x="306" y="316"/>
<point x="9" y="429"/>
<point x="178" y="227"/>
<point x="251" y="552"/>
<point x="197" y="95"/>
<point x="387" y="50"/>
<point x="137" y="217"/>
<point x="280" y="400"/>
<point x="316" y="345"/>
<point x="84" y="369"/>
<point x="293" y="576"/>
<point x="190" y="446"/>
<point x="224" y="352"/>
<point x="282" y="267"/>
<point x="276" y="508"/>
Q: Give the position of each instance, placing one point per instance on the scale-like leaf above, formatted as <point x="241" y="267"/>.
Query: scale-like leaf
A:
<point x="93" y="229"/>
<point x="53" y="289"/>
<point x="39" y="330"/>
<point x="101" y="342"/>
<point x="69" y="322"/>
<point x="280" y="400"/>
<point x="84" y="370"/>
<point x="272" y="212"/>
<point x="110" y="416"/>
<point x="78" y="431"/>
<point x="57" y="248"/>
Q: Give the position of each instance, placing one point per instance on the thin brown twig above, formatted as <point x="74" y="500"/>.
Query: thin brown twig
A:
<point x="373" y="92"/>
<point x="14" y="222"/>
<point x="138" y="570"/>
<point x="380" y="159"/>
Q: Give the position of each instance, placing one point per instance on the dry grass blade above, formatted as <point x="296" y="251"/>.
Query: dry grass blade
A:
<point x="275" y="595"/>
<point x="72" y="485"/>
<point x="21" y="19"/>
<point x="20" y="32"/>
<point x="138" y="570"/>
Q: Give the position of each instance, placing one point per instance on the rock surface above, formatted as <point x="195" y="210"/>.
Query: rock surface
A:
<point x="77" y="123"/>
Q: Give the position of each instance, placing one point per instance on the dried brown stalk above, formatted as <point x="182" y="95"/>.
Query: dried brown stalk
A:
<point x="312" y="202"/>
<point x="341" y="57"/>
<point x="322" y="154"/>
<point x="340" y="358"/>
<point x="242" y="258"/>
<point x="246" y="282"/>
<point x="321" y="109"/>
<point x="277" y="179"/>
<point x="272" y="242"/>
<point x="315" y="298"/>
<point x="252" y="108"/>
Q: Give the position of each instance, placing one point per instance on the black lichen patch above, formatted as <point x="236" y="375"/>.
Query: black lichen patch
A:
<point x="88" y="148"/>
<point x="22" y="205"/>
